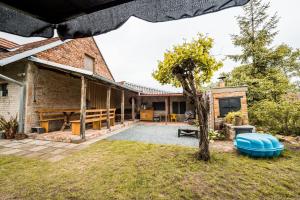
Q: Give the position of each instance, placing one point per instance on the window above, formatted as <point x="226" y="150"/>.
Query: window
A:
<point x="179" y="107"/>
<point x="3" y="90"/>
<point x="227" y="105"/>
<point x="89" y="63"/>
<point x="158" y="105"/>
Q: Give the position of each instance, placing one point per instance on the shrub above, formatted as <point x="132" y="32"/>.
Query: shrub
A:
<point x="278" y="118"/>
<point x="215" y="135"/>
<point x="9" y="127"/>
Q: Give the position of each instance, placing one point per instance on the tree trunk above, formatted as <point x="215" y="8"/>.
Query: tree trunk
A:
<point x="202" y="111"/>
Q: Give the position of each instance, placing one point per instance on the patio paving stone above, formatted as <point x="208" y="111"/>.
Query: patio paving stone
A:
<point x="38" y="148"/>
<point x="39" y="142"/>
<point x="57" y="151"/>
<point x="47" y="149"/>
<point x="22" y="153"/>
<point x="11" y="144"/>
<point x="61" y="144"/>
<point x="11" y="151"/>
<point x="34" y="155"/>
<point x="71" y="146"/>
<point x="5" y="149"/>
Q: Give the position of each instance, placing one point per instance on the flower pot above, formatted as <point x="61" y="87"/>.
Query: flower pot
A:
<point x="238" y="121"/>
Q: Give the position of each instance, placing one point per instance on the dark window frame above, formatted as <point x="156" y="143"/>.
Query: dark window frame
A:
<point x="92" y="58"/>
<point x="4" y="89"/>
<point x="229" y="104"/>
<point x="178" y="107"/>
<point x="159" y="106"/>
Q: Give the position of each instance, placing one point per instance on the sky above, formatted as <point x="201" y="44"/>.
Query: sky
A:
<point x="133" y="51"/>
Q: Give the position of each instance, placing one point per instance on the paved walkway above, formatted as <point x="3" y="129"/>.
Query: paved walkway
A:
<point x="46" y="150"/>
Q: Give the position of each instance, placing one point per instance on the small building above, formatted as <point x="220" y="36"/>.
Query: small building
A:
<point x="71" y="79"/>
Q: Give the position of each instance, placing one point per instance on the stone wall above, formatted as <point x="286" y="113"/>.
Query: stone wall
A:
<point x="72" y="53"/>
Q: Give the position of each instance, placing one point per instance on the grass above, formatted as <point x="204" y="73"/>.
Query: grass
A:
<point x="129" y="170"/>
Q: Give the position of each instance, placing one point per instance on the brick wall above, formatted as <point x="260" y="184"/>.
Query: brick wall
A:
<point x="49" y="89"/>
<point x="229" y="92"/>
<point x="72" y="53"/>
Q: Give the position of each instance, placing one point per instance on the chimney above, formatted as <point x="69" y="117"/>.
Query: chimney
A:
<point x="222" y="81"/>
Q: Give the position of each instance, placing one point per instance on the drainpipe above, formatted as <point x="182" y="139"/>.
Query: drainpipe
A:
<point x="21" y="103"/>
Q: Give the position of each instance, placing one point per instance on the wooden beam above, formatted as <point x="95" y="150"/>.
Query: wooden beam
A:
<point x="108" y="94"/>
<point x="83" y="107"/>
<point x="133" y="108"/>
<point x="166" y="109"/>
<point x="122" y="106"/>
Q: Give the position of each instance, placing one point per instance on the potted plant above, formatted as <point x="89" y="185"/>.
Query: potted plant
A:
<point x="9" y="127"/>
<point x="238" y="118"/>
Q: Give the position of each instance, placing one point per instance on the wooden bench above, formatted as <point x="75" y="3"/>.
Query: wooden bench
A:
<point x="46" y="116"/>
<point x="95" y="117"/>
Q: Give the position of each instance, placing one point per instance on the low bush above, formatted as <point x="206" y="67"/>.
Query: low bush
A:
<point x="215" y="135"/>
<point x="9" y="127"/>
<point x="277" y="118"/>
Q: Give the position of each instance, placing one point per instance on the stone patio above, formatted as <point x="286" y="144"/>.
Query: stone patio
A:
<point x="66" y="136"/>
<point x="50" y="150"/>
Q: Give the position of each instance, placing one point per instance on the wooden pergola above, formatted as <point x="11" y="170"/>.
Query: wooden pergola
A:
<point x="84" y="81"/>
<point x="88" y="76"/>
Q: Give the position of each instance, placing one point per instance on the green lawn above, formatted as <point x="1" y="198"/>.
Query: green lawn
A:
<point x="129" y="170"/>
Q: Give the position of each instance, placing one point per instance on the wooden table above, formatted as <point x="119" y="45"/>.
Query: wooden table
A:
<point x="67" y="116"/>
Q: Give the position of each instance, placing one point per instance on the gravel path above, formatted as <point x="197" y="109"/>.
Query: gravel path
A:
<point x="157" y="134"/>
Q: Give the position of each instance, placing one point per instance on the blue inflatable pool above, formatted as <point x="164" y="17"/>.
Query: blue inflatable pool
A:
<point x="258" y="145"/>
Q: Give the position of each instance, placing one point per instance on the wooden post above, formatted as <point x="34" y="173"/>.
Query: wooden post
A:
<point x="132" y="108"/>
<point x="122" y="106"/>
<point x="166" y="109"/>
<point x="83" y="107"/>
<point x="108" y="106"/>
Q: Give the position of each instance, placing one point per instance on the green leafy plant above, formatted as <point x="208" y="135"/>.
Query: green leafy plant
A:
<point x="278" y="118"/>
<point x="230" y="117"/>
<point x="9" y="127"/>
<point x="215" y="135"/>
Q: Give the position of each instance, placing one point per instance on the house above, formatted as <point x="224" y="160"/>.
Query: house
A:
<point x="52" y="77"/>
<point x="161" y="104"/>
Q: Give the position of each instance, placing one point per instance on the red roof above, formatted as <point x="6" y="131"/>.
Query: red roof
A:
<point x="6" y="44"/>
<point x="27" y="47"/>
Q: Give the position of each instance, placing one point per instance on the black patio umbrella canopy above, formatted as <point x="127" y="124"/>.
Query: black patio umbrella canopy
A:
<point x="83" y="18"/>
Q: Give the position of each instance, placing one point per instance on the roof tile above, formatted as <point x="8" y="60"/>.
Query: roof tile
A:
<point x="27" y="47"/>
